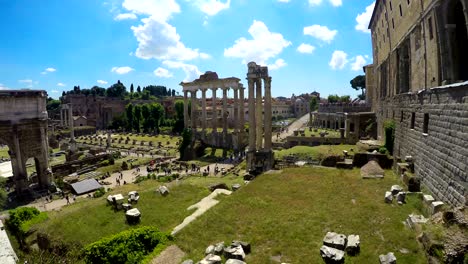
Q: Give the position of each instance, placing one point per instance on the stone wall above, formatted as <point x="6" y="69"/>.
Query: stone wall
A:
<point x="440" y="153"/>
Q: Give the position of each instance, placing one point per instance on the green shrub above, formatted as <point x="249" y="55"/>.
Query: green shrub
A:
<point x="21" y="219"/>
<point x="104" y="163"/>
<point x="142" y="178"/>
<point x="383" y="150"/>
<point x="124" y="165"/>
<point x="129" y="246"/>
<point x="99" y="192"/>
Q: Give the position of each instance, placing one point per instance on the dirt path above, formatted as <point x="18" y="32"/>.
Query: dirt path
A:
<point x="299" y="123"/>
<point x="202" y="206"/>
<point x="171" y="255"/>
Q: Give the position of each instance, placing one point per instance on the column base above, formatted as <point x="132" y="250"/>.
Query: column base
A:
<point x="260" y="161"/>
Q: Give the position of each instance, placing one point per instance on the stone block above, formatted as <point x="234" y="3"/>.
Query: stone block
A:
<point x="428" y="199"/>
<point x="353" y="245"/>
<point x="388" y="197"/>
<point x="388" y="259"/>
<point x="401" y="197"/>
<point x="218" y="249"/>
<point x="396" y="189"/>
<point x="332" y="255"/>
<point x="188" y="261"/>
<point x="436" y="207"/>
<point x="235" y="261"/>
<point x="335" y="240"/>
<point x="414" y="220"/>
<point x="211" y="259"/>
<point x="235" y="187"/>
<point x="234" y="252"/>
<point x="209" y="250"/>
<point x="245" y="246"/>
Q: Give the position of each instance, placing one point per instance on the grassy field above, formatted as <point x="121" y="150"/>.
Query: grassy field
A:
<point x="4" y="152"/>
<point x="314" y="152"/>
<point x="288" y="214"/>
<point x="331" y="133"/>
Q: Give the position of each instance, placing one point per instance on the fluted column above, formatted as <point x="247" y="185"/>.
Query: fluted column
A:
<point x="70" y="125"/>
<point x="193" y="109"/>
<point x="225" y="121"/>
<point x="241" y="108"/>
<point x="61" y="117"/>
<point x="215" y="112"/>
<point x="236" y="109"/>
<point x="186" y="117"/>
<point x="252" y="123"/>
<point x="258" y="113"/>
<point x="267" y="109"/>
<point x="203" y="102"/>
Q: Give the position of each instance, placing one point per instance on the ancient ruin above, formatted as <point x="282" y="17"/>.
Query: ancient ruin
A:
<point x="23" y="119"/>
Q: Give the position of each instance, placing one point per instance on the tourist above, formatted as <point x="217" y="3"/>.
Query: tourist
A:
<point x="68" y="199"/>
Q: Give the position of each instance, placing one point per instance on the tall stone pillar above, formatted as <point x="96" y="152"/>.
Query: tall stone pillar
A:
<point x="215" y="111"/>
<point x="258" y="113"/>
<point x="224" y="115"/>
<point x="186" y="116"/>
<point x="193" y="109"/>
<point x="18" y="164"/>
<point x="42" y="174"/>
<point x="70" y="123"/>
<point x="267" y="109"/>
<point x="203" y="109"/>
<point x="252" y="122"/>
<point x="236" y="109"/>
<point x="241" y="108"/>
<point x="61" y="117"/>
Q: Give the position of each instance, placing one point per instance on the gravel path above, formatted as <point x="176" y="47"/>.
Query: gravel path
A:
<point x="202" y="206"/>
<point x="171" y="255"/>
<point x="299" y="123"/>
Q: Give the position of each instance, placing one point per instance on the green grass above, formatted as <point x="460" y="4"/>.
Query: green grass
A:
<point x="289" y="213"/>
<point x="4" y="152"/>
<point x="87" y="221"/>
<point x="118" y="164"/>
<point x="314" y="152"/>
<point x="331" y="133"/>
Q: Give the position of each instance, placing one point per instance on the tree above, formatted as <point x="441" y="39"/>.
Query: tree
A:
<point x="179" y="123"/>
<point x="157" y="113"/>
<point x="52" y="104"/>
<point x="313" y="103"/>
<point x="359" y="83"/>
<point x="129" y="114"/>
<point x="345" y="99"/>
<point x="147" y="118"/>
<point x="138" y="89"/>
<point x="333" y="98"/>
<point x="173" y="93"/>
<point x="137" y="117"/>
<point x="116" y="90"/>
<point x="131" y="88"/>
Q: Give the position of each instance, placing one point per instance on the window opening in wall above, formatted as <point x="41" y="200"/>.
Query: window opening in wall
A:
<point x="408" y="1"/>
<point x="429" y="22"/>
<point x="390" y="5"/>
<point x="401" y="116"/>
<point x="426" y="123"/>
<point x="383" y="80"/>
<point x="403" y="67"/>
<point x="461" y="43"/>
<point x="413" y="117"/>
<point x="417" y="37"/>
<point x="401" y="11"/>
<point x="393" y="114"/>
<point x="393" y="23"/>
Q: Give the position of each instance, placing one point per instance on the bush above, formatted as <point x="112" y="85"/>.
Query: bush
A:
<point x="21" y="219"/>
<point x="99" y="192"/>
<point x="124" y="165"/>
<point x="104" y="163"/>
<point x="129" y="246"/>
<point x="383" y="150"/>
<point x="389" y="127"/>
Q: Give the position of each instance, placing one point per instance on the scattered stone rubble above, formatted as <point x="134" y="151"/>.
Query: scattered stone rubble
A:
<point x="163" y="190"/>
<point x="388" y="259"/>
<point x="234" y="253"/>
<point x="372" y="170"/>
<point x="335" y="245"/>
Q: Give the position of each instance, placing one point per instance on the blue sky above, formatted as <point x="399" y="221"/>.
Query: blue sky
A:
<point x="307" y="44"/>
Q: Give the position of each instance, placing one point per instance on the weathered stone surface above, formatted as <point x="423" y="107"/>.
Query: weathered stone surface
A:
<point x="396" y="189"/>
<point x="388" y="197"/>
<point x="218" y="186"/>
<point x="401" y="197"/>
<point x="209" y="250"/>
<point x="372" y="170"/>
<point x="245" y="246"/>
<point x="353" y="244"/>
<point x="414" y="220"/>
<point x="218" y="249"/>
<point x="436" y="207"/>
<point x="335" y="240"/>
<point x="211" y="259"/>
<point x="428" y="199"/>
<point x="188" y="261"/>
<point x="236" y="187"/>
<point x="234" y="261"/>
<point x="388" y="259"/>
<point x="163" y="190"/>
<point x="234" y="252"/>
<point x="332" y="255"/>
<point x="414" y="184"/>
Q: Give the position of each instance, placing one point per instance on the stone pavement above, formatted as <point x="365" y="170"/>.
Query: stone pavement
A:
<point x="299" y="123"/>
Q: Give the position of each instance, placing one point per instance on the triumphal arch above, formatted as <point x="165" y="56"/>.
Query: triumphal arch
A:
<point x="23" y="128"/>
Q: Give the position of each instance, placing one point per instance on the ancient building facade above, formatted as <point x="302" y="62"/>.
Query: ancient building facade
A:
<point x="420" y="63"/>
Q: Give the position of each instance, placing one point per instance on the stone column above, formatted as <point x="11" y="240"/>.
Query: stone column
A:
<point x="42" y="175"/>
<point x="215" y="111"/>
<point x="193" y="109"/>
<point x="186" y="116"/>
<point x="70" y="125"/>
<point x="252" y="123"/>
<point x="203" y="109"/>
<point x="224" y="115"/>
<point x="236" y="110"/>
<point x="241" y="108"/>
<point x="258" y="113"/>
<point x="267" y="109"/>
<point x="18" y="164"/>
<point x="61" y="116"/>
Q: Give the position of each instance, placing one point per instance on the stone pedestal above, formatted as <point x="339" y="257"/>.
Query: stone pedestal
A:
<point x="260" y="161"/>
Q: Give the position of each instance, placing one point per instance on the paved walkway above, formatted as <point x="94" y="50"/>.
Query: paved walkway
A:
<point x="299" y="123"/>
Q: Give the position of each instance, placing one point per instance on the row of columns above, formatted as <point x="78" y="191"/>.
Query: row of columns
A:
<point x="238" y="109"/>
<point x="259" y="114"/>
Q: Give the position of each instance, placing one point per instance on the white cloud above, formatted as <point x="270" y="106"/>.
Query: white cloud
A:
<point x="159" y="40"/>
<point x="315" y="2"/>
<point x="339" y="60"/>
<point x="306" y="48"/>
<point x="3" y="87"/>
<point x="363" y="19"/>
<point x="279" y="63"/>
<point x="163" y="73"/>
<point x="358" y="63"/>
<point x="336" y="2"/>
<point x="284" y="1"/>
<point x="161" y="10"/>
<point x="191" y="71"/>
<point x="211" y="7"/>
<point x="27" y="82"/>
<point x="320" y="32"/>
<point x="122" y="70"/>
<point x="61" y="84"/>
<point x="263" y="45"/>
<point x="48" y="70"/>
<point x="101" y="82"/>
<point x="125" y="16"/>
<point x="54" y="91"/>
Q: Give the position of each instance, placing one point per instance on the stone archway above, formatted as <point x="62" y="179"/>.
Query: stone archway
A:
<point x="23" y="127"/>
<point x="457" y="39"/>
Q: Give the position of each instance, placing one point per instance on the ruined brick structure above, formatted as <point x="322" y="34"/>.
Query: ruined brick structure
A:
<point x="419" y="48"/>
